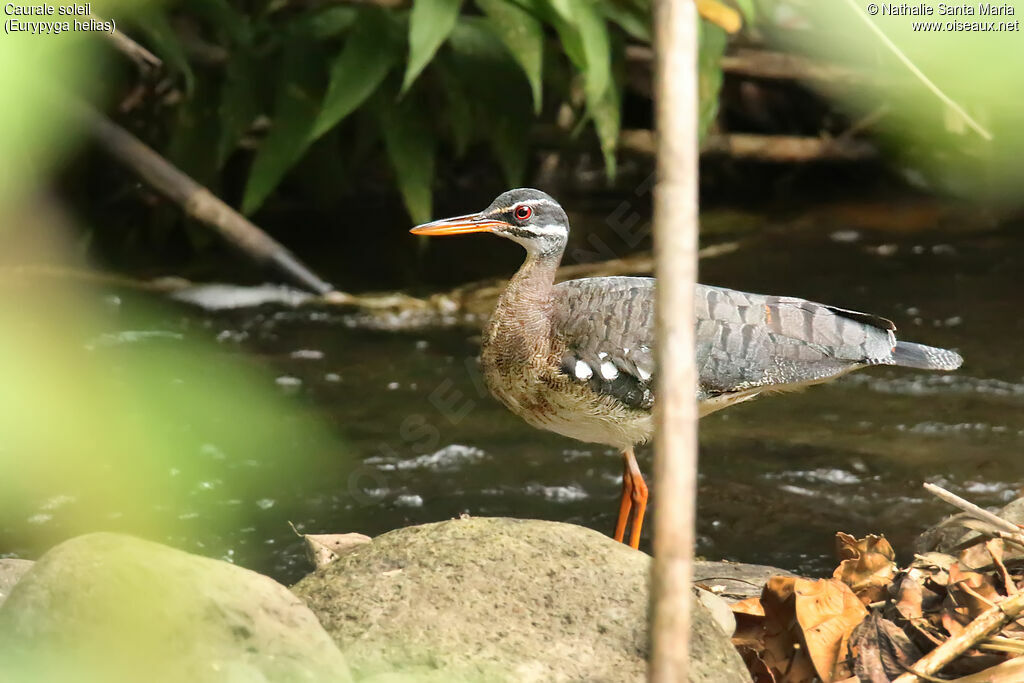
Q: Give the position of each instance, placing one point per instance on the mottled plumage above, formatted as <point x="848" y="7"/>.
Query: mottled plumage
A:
<point x="577" y="358"/>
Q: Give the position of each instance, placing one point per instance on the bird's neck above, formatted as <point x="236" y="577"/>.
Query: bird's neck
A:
<point x="525" y="308"/>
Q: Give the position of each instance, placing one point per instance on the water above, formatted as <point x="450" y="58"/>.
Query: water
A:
<point x="779" y="475"/>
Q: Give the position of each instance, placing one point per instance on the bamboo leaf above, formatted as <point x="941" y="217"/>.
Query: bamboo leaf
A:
<point x="604" y="110"/>
<point x="712" y="39"/>
<point x="410" y="146"/>
<point x="593" y="33"/>
<point x="430" y="22"/>
<point x="748" y="10"/>
<point x="165" y="43"/>
<point x="193" y="143"/>
<point x="238" y="106"/>
<point x="523" y="35"/>
<point x="358" y="70"/>
<point x="327" y="22"/>
<point x="234" y="24"/>
<point x="631" y="19"/>
<point x="295" y="111"/>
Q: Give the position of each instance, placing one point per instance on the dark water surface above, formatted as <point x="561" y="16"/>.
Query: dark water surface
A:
<point x="779" y="476"/>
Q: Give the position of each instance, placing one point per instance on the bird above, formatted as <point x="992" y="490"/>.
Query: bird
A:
<point x="578" y="357"/>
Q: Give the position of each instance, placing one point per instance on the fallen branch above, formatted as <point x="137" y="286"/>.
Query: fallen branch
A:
<point x="987" y="624"/>
<point x="143" y="58"/>
<point x="197" y="201"/>
<point x="769" y="148"/>
<point x="1011" y="530"/>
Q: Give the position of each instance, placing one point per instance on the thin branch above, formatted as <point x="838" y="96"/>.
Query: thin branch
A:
<point x="973" y="510"/>
<point x="768" y="148"/>
<point x="986" y="624"/>
<point x="197" y="201"/>
<point x="143" y="58"/>
<point x="949" y="102"/>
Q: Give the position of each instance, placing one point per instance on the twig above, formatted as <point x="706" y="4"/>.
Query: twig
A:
<point x="928" y="83"/>
<point x="1009" y="528"/>
<point x="143" y="58"/>
<point x="767" y="148"/>
<point x="986" y="624"/>
<point x="196" y="200"/>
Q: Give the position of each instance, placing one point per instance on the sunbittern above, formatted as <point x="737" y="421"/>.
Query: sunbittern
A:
<point x="577" y="358"/>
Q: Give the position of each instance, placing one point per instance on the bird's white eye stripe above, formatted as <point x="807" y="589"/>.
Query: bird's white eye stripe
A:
<point x="525" y="202"/>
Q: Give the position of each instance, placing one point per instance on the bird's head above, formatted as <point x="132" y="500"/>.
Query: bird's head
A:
<point x="530" y="217"/>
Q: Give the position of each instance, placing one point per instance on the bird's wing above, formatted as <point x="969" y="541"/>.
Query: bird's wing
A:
<point x="607" y="325"/>
<point x="751" y="340"/>
<point x="744" y="341"/>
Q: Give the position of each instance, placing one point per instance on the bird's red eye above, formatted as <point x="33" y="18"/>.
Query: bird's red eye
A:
<point x="522" y="213"/>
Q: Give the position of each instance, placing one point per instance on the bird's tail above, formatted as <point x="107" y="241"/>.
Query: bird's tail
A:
<point x="911" y="355"/>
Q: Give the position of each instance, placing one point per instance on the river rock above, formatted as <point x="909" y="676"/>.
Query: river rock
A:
<point x="11" y="571"/>
<point x="108" y="607"/>
<point x="500" y="600"/>
<point x="735" y="581"/>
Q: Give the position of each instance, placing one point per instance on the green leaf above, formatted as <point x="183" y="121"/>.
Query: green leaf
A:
<point x="239" y="105"/>
<point x="459" y="109"/>
<point x="605" y="111"/>
<point x="359" y="68"/>
<point x="410" y="146"/>
<point x="594" y="35"/>
<point x="193" y="143"/>
<point x="748" y="9"/>
<point x="508" y="140"/>
<point x="165" y="43"/>
<point x="523" y="35"/>
<point x="430" y="22"/>
<point x="295" y="110"/>
<point x="224" y="17"/>
<point x="631" y="19"/>
<point x="327" y="22"/>
<point x="712" y="40"/>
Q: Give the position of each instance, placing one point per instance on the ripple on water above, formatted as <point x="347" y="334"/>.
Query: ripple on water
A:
<point x="559" y="494"/>
<point x="450" y="457"/>
<point x="929" y="385"/>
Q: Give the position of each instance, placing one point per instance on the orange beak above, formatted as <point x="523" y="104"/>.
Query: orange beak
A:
<point x="459" y="225"/>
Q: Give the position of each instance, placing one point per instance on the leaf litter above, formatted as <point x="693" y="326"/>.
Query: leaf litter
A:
<point x="945" y="616"/>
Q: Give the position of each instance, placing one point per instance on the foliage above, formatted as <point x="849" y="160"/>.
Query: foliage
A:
<point x="439" y="79"/>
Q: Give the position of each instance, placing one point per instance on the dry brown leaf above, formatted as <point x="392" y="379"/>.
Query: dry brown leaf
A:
<point x="785" y="652"/>
<point x="759" y="671"/>
<point x="807" y="628"/>
<point x="969" y="594"/>
<point x="995" y="549"/>
<point x="322" y="549"/>
<point x="909" y="597"/>
<point x="751" y="606"/>
<point x="828" y="611"/>
<point x="881" y="650"/>
<point x="867" y="565"/>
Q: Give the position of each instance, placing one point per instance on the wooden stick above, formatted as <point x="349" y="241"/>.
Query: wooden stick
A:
<point x="143" y="58"/>
<point x="675" y="254"/>
<point x="973" y="510"/>
<point x="769" y="148"/>
<point x="196" y="200"/>
<point x="986" y="624"/>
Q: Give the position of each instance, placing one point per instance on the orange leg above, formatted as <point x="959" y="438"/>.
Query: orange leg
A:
<point x="626" y="502"/>
<point x="633" y="504"/>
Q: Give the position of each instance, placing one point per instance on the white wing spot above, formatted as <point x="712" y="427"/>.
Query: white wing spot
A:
<point x="602" y="355"/>
<point x="609" y="371"/>
<point x="583" y="371"/>
<point x="644" y="375"/>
